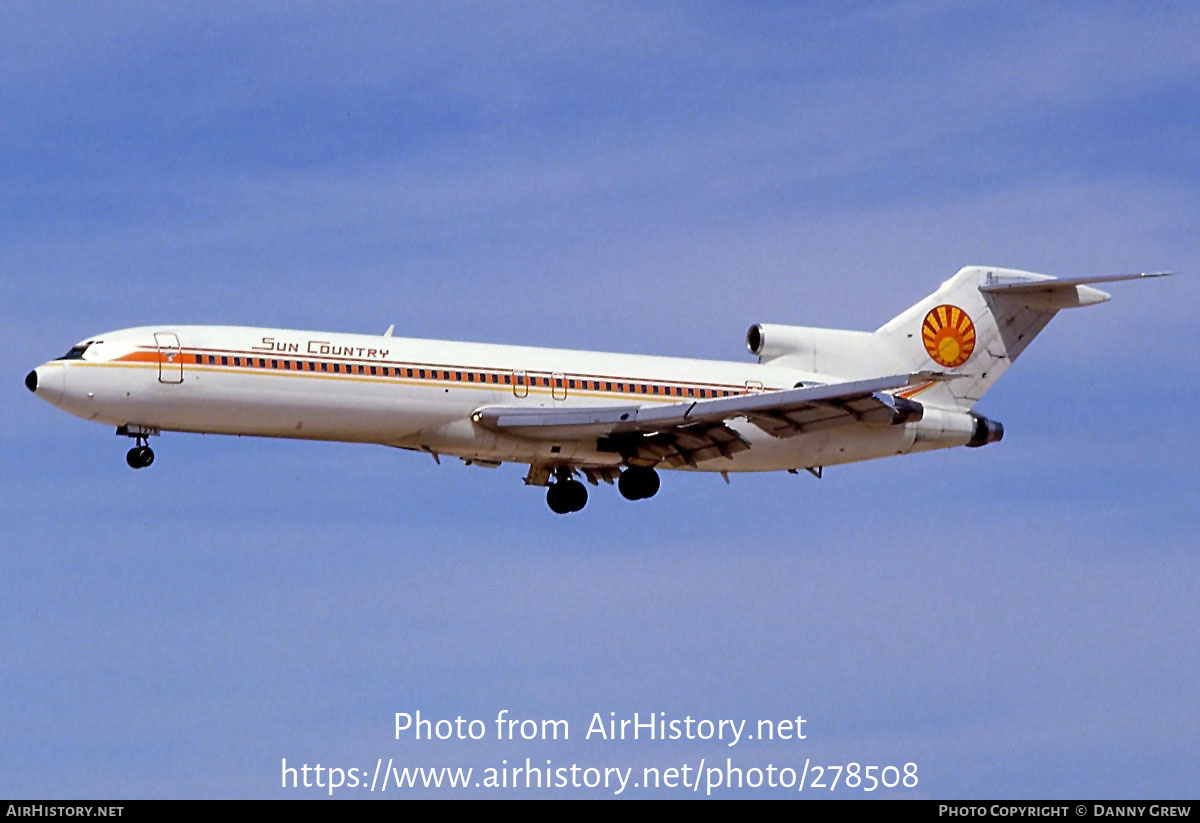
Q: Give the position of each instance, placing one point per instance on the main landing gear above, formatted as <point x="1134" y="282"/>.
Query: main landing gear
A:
<point x="566" y="495"/>
<point x="638" y="483"/>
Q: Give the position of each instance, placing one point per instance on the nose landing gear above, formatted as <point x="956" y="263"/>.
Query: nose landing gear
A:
<point x="141" y="455"/>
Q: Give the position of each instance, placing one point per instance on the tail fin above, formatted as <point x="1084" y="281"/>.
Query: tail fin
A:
<point x="977" y="323"/>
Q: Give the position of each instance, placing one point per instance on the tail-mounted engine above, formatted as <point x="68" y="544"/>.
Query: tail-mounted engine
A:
<point x="985" y="431"/>
<point x="768" y="340"/>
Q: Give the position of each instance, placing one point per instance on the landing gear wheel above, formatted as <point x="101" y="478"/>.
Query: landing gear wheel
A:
<point x="578" y="494"/>
<point x="638" y="483"/>
<point x="566" y="496"/>
<point x="139" y="457"/>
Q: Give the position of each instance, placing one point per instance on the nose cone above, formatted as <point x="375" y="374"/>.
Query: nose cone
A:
<point x="47" y="383"/>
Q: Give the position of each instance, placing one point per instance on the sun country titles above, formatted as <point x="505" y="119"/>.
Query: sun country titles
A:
<point x="949" y="335"/>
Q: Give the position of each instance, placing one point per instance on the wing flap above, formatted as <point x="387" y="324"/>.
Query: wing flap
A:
<point x="677" y="447"/>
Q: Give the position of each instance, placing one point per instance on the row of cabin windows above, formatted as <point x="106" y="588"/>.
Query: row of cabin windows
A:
<point x="458" y="376"/>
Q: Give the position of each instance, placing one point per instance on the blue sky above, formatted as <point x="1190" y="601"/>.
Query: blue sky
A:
<point x="1018" y="620"/>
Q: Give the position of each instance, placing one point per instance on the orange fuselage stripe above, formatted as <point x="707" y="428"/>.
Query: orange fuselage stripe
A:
<point x="514" y="379"/>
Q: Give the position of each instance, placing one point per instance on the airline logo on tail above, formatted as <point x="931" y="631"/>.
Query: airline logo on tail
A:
<point x="949" y="335"/>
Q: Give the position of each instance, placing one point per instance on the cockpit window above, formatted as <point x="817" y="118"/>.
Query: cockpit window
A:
<point x="76" y="352"/>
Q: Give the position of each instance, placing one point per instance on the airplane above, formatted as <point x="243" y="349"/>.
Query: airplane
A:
<point x="814" y="398"/>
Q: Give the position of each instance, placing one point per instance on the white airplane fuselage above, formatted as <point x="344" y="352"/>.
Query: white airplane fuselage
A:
<point x="421" y="394"/>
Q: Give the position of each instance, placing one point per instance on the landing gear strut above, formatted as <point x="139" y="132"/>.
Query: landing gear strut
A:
<point x="638" y="483"/>
<point x="567" y="494"/>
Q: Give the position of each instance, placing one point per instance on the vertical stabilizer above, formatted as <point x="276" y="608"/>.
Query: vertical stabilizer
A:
<point x="975" y="325"/>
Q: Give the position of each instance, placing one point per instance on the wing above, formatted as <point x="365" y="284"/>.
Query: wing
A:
<point x="683" y="433"/>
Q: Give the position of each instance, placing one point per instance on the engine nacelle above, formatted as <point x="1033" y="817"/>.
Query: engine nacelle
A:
<point x="986" y="431"/>
<point x="769" y="340"/>
<point x="947" y="427"/>
<point x="837" y="352"/>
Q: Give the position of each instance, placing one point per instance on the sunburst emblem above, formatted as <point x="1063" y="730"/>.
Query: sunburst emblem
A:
<point x="949" y="335"/>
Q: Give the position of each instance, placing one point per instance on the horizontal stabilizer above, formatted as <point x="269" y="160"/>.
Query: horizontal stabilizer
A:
<point x="995" y="283"/>
<point x="1051" y="294"/>
<point x="1043" y="293"/>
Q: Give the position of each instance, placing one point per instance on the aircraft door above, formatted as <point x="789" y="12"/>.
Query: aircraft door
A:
<point x="520" y="383"/>
<point x="558" y="386"/>
<point x="170" y="363"/>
